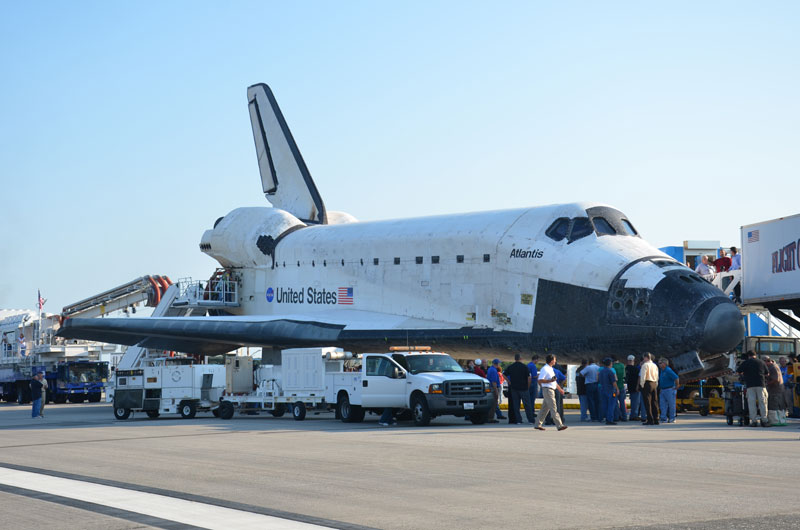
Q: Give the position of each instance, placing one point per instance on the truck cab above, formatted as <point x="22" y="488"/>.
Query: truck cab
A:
<point x="427" y="384"/>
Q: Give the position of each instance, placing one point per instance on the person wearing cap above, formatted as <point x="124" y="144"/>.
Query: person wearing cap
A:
<point x="754" y="372"/>
<point x="592" y="394"/>
<point x="493" y="375"/>
<point x="608" y="392"/>
<point x="547" y="380"/>
<point x="479" y="368"/>
<point x="668" y="384"/>
<point x="648" y="382"/>
<point x="776" y="404"/>
<point x="36" y="394"/>
<point x="634" y="391"/>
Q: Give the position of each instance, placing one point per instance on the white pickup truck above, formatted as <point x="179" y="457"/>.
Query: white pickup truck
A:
<point x="426" y="384"/>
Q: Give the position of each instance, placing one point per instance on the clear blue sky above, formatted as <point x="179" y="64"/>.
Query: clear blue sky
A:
<point x="124" y="130"/>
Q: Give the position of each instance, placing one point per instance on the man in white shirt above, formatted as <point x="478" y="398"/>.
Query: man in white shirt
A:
<point x="703" y="269"/>
<point x="648" y="381"/>
<point x="549" y="385"/>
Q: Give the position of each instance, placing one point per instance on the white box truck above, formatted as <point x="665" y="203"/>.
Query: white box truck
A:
<point x="771" y="261"/>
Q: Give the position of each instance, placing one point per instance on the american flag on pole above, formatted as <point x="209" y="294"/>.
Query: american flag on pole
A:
<point x="41" y="300"/>
<point x="345" y="296"/>
<point x="752" y="236"/>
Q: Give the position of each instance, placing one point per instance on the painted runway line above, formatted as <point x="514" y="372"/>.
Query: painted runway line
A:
<point x="159" y="506"/>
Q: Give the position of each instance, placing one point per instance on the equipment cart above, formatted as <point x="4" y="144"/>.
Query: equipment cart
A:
<point x="736" y="403"/>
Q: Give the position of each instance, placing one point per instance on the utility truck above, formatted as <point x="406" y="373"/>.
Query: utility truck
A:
<point x="426" y="384"/>
<point x="420" y="385"/>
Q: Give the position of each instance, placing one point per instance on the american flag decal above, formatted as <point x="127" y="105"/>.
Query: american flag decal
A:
<point x="345" y="296"/>
<point x="752" y="236"/>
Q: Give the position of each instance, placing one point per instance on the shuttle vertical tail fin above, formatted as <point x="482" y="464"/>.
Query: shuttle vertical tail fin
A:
<point x="284" y="176"/>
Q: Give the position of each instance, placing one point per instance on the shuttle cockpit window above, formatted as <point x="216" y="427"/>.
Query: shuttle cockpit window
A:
<point x="603" y="227"/>
<point x="581" y="227"/>
<point x="609" y="222"/>
<point x="559" y="229"/>
<point x="629" y="228"/>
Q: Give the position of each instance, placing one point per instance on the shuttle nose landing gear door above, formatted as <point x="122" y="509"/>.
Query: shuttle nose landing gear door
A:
<point x="383" y="382"/>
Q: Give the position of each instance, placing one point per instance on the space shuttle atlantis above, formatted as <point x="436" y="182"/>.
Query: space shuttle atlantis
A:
<point x="571" y="279"/>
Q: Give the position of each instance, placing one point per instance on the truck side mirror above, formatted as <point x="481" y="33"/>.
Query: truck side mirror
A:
<point x="398" y="374"/>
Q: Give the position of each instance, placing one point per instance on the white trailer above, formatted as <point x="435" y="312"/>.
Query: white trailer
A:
<point x="298" y="383"/>
<point x="771" y="261"/>
<point x="169" y="389"/>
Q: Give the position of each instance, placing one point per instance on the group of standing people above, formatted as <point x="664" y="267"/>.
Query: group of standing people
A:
<point x="524" y="382"/>
<point x="766" y="395"/>
<point x="602" y="390"/>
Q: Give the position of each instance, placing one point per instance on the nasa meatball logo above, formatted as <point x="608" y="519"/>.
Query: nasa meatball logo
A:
<point x="270" y="294"/>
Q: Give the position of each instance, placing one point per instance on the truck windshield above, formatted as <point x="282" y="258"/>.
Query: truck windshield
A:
<point x="432" y="363"/>
<point x="86" y="373"/>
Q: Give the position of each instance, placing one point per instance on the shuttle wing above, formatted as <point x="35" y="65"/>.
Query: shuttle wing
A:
<point x="284" y="176"/>
<point x="215" y="335"/>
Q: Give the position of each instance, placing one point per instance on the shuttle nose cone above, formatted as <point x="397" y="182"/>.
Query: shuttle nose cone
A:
<point x="724" y="329"/>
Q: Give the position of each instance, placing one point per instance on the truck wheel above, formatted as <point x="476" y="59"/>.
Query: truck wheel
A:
<point x="704" y="411"/>
<point x="299" y="411"/>
<point x="729" y="419"/>
<point x="479" y="418"/>
<point x="226" y="410"/>
<point x="279" y="410"/>
<point x="153" y="414"/>
<point x="420" y="411"/>
<point x="347" y="412"/>
<point x="121" y="413"/>
<point x="188" y="410"/>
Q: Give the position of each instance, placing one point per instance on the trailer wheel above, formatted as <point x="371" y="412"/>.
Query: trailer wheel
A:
<point x="215" y="412"/>
<point x="60" y="398"/>
<point x="122" y="413"/>
<point x="279" y="410"/>
<point x="188" y="410"/>
<point x="729" y="420"/>
<point x="704" y="411"/>
<point x="420" y="410"/>
<point x="299" y="411"/>
<point x="153" y="414"/>
<point x="94" y="397"/>
<point x="226" y="410"/>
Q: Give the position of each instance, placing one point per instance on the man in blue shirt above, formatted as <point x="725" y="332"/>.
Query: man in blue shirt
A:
<point x="668" y="386"/>
<point x="494" y="378"/>
<point x="607" y="378"/>
<point x="534" y="389"/>
<point x="592" y="394"/>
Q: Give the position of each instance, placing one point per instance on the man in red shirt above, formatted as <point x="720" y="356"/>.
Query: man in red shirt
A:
<point x="479" y="368"/>
<point x="723" y="262"/>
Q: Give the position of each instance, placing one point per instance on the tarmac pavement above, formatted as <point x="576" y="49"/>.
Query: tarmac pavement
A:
<point x="697" y="473"/>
